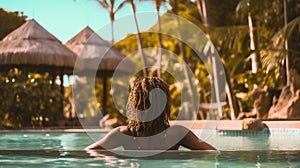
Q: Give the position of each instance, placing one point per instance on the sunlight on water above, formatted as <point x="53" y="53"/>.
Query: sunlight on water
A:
<point x="281" y="148"/>
<point x="278" y="139"/>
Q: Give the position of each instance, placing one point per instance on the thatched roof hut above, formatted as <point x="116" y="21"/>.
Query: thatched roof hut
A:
<point x="93" y="51"/>
<point x="31" y="45"/>
<point x="33" y="48"/>
<point x="97" y="56"/>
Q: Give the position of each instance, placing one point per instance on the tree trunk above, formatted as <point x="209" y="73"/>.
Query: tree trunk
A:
<point x="139" y="40"/>
<point x="253" y="56"/>
<point x="182" y="50"/>
<point x="159" y="44"/>
<point x="201" y="5"/>
<point x="287" y="59"/>
<point x="112" y="32"/>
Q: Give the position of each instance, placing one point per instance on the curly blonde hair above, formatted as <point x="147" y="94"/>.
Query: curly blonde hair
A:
<point x="139" y="101"/>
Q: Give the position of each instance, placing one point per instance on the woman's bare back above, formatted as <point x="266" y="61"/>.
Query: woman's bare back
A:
<point x="169" y="139"/>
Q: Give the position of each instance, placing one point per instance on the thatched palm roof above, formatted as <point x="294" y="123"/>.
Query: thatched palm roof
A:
<point x="93" y="51"/>
<point x="32" y="45"/>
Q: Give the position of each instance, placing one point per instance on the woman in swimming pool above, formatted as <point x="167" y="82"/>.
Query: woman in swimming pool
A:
<point x="148" y="128"/>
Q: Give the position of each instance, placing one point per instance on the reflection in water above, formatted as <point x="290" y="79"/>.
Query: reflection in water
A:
<point x="262" y="158"/>
<point x="241" y="140"/>
<point x="58" y="158"/>
<point x="279" y="139"/>
<point x="279" y="149"/>
<point x="164" y="159"/>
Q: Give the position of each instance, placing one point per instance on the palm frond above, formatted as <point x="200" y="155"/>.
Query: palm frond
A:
<point x="103" y="3"/>
<point x="121" y="5"/>
<point x="242" y="5"/>
<point x="242" y="8"/>
<point x="284" y="34"/>
<point x="272" y="59"/>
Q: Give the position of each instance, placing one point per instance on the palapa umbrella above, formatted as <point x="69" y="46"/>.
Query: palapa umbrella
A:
<point x="32" y="47"/>
<point x="96" y="54"/>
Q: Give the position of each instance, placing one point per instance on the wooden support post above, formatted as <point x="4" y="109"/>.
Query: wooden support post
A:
<point x="104" y="98"/>
<point x="62" y="91"/>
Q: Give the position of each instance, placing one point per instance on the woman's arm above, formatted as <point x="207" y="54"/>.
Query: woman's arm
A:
<point x="109" y="141"/>
<point x="191" y="141"/>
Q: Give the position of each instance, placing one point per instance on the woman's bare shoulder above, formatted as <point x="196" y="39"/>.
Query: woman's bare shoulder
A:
<point x="122" y="129"/>
<point x="178" y="128"/>
<point x="189" y="139"/>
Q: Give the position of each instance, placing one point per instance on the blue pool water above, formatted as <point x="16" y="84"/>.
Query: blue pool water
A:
<point x="280" y="148"/>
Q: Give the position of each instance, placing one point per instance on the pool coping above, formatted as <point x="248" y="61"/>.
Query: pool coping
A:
<point x="235" y="124"/>
<point x="192" y="124"/>
<point x="69" y="130"/>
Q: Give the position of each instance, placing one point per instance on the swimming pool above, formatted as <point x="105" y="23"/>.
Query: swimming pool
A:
<point x="280" y="148"/>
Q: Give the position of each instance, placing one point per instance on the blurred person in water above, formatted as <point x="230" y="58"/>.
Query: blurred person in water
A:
<point x="148" y="128"/>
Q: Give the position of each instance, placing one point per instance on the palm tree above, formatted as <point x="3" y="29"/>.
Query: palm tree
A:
<point x="245" y="5"/>
<point x="282" y="25"/>
<point x="287" y="60"/>
<point x="110" y="7"/>
<point x="158" y="4"/>
<point x="201" y="6"/>
<point x="174" y="6"/>
<point x="139" y="39"/>
<point x="160" y="45"/>
<point x="279" y="51"/>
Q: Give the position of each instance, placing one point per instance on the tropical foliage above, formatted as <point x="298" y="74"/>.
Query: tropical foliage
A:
<point x="28" y="99"/>
<point x="10" y="21"/>
<point x="228" y="30"/>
